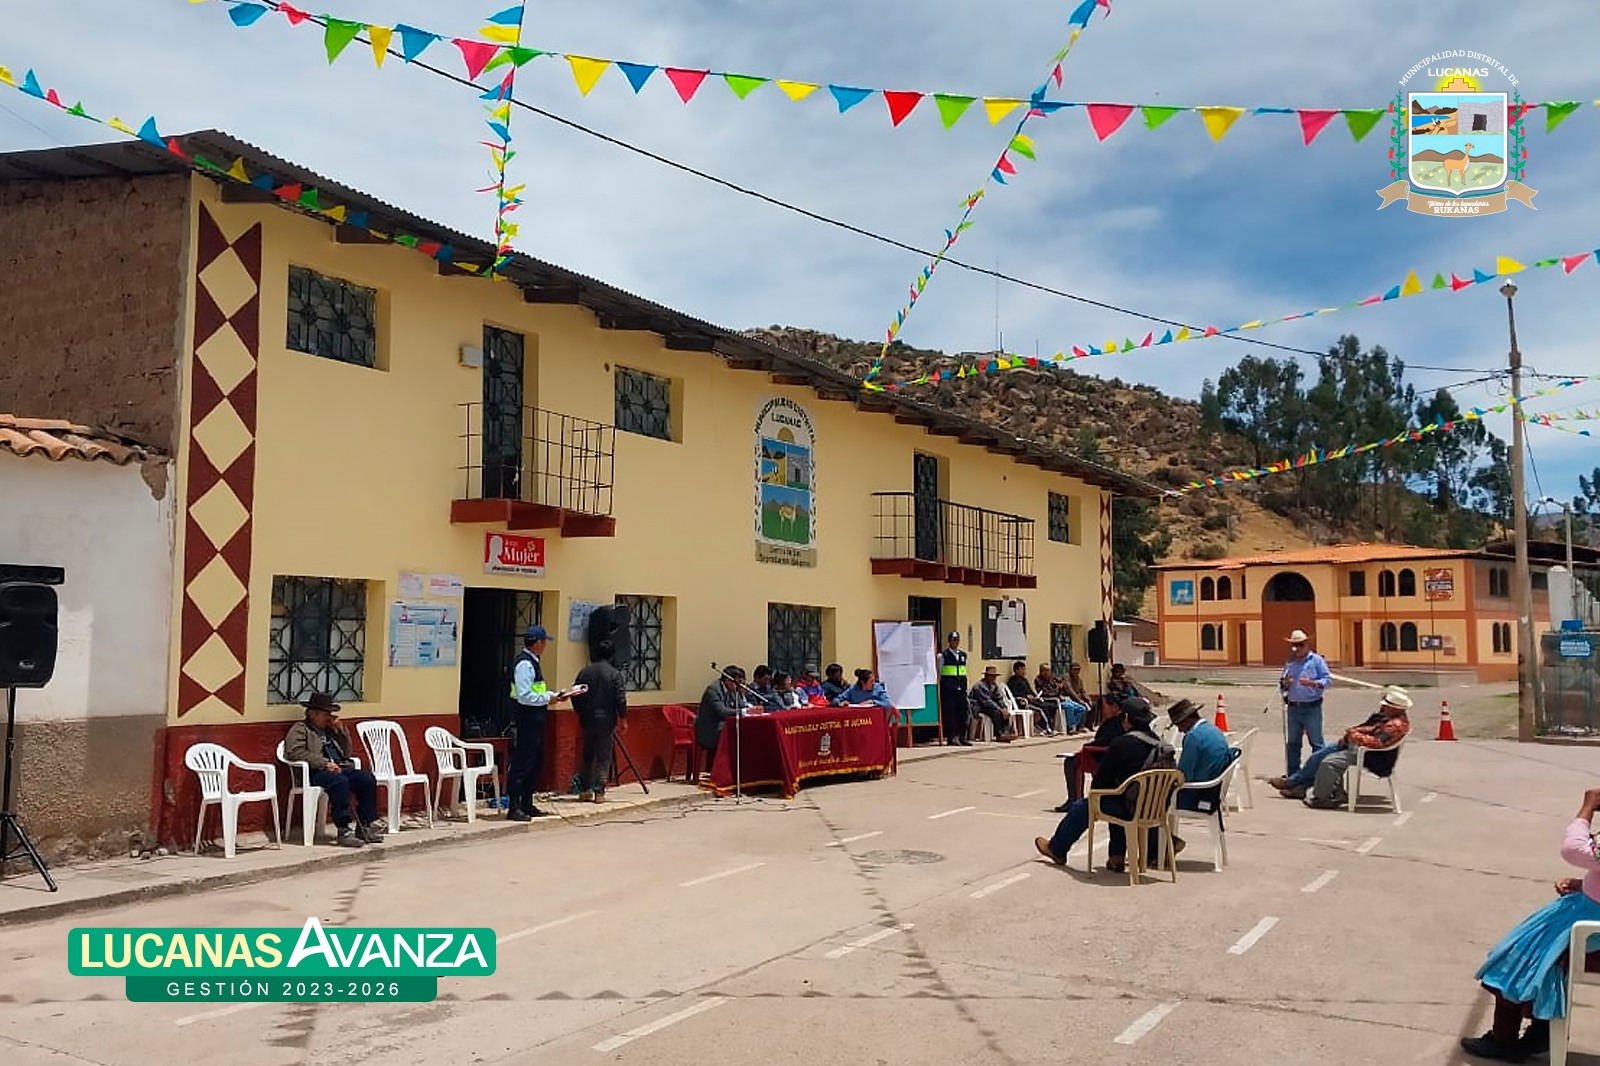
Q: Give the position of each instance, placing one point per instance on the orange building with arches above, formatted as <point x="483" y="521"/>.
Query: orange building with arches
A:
<point x="1364" y="605"/>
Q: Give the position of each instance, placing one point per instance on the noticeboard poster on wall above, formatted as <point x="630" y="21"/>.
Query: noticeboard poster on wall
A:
<point x="1439" y="584"/>
<point x="1005" y="629"/>
<point x="785" y="496"/>
<point x="1181" y="593"/>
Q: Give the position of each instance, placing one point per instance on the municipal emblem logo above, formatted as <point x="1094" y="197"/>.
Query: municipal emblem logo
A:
<point x="1457" y="150"/>
<point x="827" y="744"/>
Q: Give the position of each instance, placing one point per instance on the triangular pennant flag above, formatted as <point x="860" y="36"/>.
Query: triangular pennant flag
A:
<point x="430" y="248"/>
<point x="1457" y="284"/>
<point x="338" y="35"/>
<point x="262" y="182"/>
<point x="848" y="96"/>
<point x="1411" y="286"/>
<point x="406" y="239"/>
<point x="1369" y="301"/>
<point x="413" y="42"/>
<point x="1547" y="262"/>
<point x="1211" y="331"/>
<point x="380" y="36"/>
<point x="290" y="191"/>
<point x="147" y="132"/>
<point x="1106" y="119"/>
<point x="1480" y="277"/>
<point x="309" y="198"/>
<point x="358" y="219"/>
<point x="336" y="212"/>
<point x="1362" y="120"/>
<point x="744" y="84"/>
<point x="998" y="108"/>
<point x="1439" y="282"/>
<point x="501" y="131"/>
<point x="237" y="172"/>
<point x="1503" y="265"/>
<point x="687" y="82"/>
<point x="1022" y="144"/>
<point x="1569" y="263"/>
<point x="1219" y="120"/>
<point x="1006" y="166"/>
<point x="796" y="90"/>
<point x="1312" y="122"/>
<point x="1183" y="334"/>
<point x="31" y="86"/>
<point x="476" y="54"/>
<point x="1155" y="116"/>
<point x="522" y="56"/>
<point x="1166" y="338"/>
<point x="951" y="108"/>
<point x="247" y="14"/>
<point x="1515" y="112"/>
<point x="293" y="14"/>
<point x="1556" y="110"/>
<point x="900" y="104"/>
<point x="511" y="16"/>
<point x="501" y="34"/>
<point x="1149" y="339"/>
<point x="636" y="73"/>
<point x="1127" y="345"/>
<point x="52" y="96"/>
<point x="587" y="71"/>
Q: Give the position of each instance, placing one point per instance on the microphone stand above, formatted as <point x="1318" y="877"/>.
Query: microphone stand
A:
<point x="738" y="738"/>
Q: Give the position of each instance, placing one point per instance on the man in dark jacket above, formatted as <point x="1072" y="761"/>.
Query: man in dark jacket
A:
<point x="323" y="745"/>
<point x="1124" y="757"/>
<point x="723" y="699"/>
<point x="953" y="690"/>
<point x="602" y="714"/>
<point x="1087" y="758"/>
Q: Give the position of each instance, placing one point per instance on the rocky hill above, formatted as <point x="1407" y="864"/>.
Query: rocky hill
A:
<point x="1136" y="427"/>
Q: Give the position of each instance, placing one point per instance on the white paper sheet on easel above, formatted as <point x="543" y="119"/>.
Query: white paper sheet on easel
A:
<point x="905" y="687"/>
<point x="895" y="647"/>
<point x="924" y="653"/>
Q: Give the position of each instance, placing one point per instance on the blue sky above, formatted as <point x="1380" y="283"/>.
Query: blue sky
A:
<point x="1165" y="222"/>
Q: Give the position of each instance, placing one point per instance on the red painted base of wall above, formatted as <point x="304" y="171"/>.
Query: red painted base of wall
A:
<point x="175" y="792"/>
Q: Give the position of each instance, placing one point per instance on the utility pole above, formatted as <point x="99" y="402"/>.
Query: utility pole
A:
<point x="1519" y="520"/>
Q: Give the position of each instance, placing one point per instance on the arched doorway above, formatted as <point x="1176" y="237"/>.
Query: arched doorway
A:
<point x="1288" y="602"/>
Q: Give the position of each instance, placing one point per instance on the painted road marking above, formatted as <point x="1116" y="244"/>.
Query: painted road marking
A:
<point x="519" y="934"/>
<point x="1367" y="845"/>
<point x="872" y="938"/>
<point x="1025" y="795"/>
<point x="989" y="890"/>
<point x="1146" y="1022"/>
<point x="858" y="836"/>
<point x="1403" y="819"/>
<point x="1248" y="941"/>
<point x="946" y="814"/>
<point x="659" y="1024"/>
<point x="220" y="1013"/>
<point x="1321" y="882"/>
<point x="1430" y="797"/>
<point x="725" y="873"/>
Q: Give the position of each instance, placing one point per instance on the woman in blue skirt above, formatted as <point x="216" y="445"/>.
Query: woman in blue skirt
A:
<point x="1527" y="971"/>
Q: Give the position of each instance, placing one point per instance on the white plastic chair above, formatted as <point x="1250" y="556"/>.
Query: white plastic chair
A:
<point x="210" y="763"/>
<point x="453" y="757"/>
<point x="1577" y="952"/>
<point x="1241" y="793"/>
<point x="312" y="799"/>
<point x="379" y="737"/>
<point x="1018" y="714"/>
<point x="1211" y="819"/>
<point x="1352" y="776"/>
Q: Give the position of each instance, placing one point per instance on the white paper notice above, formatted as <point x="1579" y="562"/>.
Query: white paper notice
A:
<point x="446" y="586"/>
<point x="412" y="585"/>
<point x="895" y="647"/>
<point x="905" y="687"/>
<point x="924" y="654"/>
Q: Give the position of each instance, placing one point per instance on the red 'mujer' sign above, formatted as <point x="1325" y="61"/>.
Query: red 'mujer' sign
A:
<point x="510" y="553"/>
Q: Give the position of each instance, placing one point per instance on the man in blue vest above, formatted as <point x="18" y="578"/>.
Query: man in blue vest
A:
<point x="531" y="697"/>
<point x="953" y="691"/>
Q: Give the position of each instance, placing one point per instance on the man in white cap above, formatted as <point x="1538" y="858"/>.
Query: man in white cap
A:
<point x="1304" y="679"/>
<point x="1324" y="772"/>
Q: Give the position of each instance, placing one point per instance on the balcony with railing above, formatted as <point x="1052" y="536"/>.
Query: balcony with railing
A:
<point x="531" y="469"/>
<point x="938" y="540"/>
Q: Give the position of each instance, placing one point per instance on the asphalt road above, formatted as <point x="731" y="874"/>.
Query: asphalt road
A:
<point x="895" y="922"/>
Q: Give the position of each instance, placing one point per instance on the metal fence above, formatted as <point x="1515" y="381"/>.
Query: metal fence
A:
<point x="538" y="456"/>
<point x="952" y="534"/>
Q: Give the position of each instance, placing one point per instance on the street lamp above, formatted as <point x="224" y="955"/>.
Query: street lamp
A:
<point x="1572" y="574"/>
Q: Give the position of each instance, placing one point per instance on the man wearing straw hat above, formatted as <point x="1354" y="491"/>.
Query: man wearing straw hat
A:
<point x="1304" y="679"/>
<point x="1324" y="771"/>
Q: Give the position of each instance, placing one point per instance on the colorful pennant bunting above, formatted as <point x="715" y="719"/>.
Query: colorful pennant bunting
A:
<point x="1411" y="286"/>
<point x="505" y="26"/>
<point x="1317" y="456"/>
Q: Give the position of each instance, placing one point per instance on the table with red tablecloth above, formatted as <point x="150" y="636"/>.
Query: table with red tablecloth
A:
<point x="788" y="748"/>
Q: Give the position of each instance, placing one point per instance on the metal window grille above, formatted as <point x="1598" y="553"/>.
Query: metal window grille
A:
<point x="794" y="637"/>
<point x="1408" y="636"/>
<point x="1408" y="582"/>
<point x="318" y="639"/>
<point x="503" y="414"/>
<point x="644" y="404"/>
<point x="647" y="627"/>
<point x="1060" y="518"/>
<point x="332" y="318"/>
<point x="1060" y="649"/>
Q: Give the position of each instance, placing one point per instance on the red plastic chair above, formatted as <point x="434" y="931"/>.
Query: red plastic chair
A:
<point x="681" y="719"/>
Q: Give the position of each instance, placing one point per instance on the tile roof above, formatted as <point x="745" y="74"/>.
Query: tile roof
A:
<point x="58" y="439"/>
<point x="1338" y="554"/>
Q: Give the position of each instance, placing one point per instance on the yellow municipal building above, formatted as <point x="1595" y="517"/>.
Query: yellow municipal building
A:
<point x="384" y="466"/>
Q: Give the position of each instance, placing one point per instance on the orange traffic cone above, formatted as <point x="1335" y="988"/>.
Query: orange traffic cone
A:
<point x="1447" y="731"/>
<point x="1222" y="714"/>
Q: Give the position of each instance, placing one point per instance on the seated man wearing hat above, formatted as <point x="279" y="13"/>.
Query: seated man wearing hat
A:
<point x="1205" y="756"/>
<point x="1324" y="772"/>
<point x="987" y="701"/>
<point x="323" y="745"/>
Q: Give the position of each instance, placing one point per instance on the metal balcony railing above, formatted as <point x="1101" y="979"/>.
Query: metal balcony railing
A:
<point x="532" y="455"/>
<point x="955" y="535"/>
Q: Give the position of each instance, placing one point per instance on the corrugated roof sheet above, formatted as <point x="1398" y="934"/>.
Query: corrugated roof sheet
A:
<point x="58" y="439"/>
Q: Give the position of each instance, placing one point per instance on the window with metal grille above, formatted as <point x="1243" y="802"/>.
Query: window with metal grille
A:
<point x="332" y="318"/>
<point x="647" y="628"/>
<point x="794" y="637"/>
<point x="318" y="639"/>
<point x="1408" y="636"/>
<point x="1385" y="582"/>
<point x="1387" y="639"/>
<point x="1059" y="518"/>
<point x="644" y="403"/>
<point x="1408" y="582"/>
<point x="1210" y="639"/>
<point x="1060" y="649"/>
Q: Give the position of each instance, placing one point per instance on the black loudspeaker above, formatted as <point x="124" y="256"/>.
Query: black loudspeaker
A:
<point x="27" y="634"/>
<point x="611" y="624"/>
<point x="1100" y="642"/>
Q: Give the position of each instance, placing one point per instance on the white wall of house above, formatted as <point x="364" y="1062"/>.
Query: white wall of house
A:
<point x="105" y="525"/>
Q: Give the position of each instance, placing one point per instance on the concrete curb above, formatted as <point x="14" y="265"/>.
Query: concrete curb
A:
<point x="392" y="850"/>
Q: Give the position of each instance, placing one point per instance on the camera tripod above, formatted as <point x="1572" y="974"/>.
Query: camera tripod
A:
<point x="9" y="822"/>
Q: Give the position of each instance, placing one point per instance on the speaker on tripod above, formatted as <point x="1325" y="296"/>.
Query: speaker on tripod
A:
<point x="611" y="625"/>
<point x="1100" y="642"/>
<point x="27" y="660"/>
